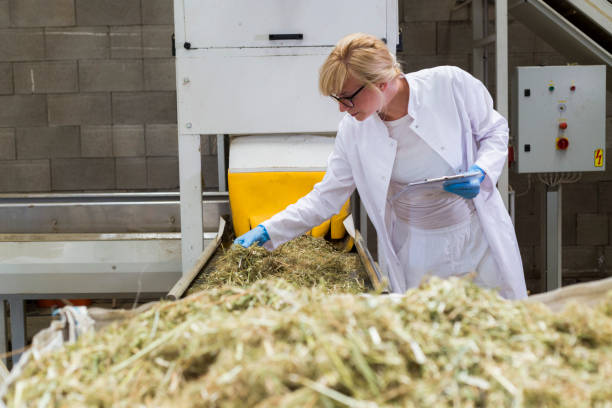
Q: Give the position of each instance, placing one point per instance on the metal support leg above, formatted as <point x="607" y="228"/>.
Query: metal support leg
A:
<point x="478" y="53"/>
<point x="221" y="162"/>
<point x="501" y="79"/>
<point x="553" y="238"/>
<point x="363" y="223"/>
<point x="3" y="339"/>
<point x="18" y="335"/>
<point x="190" y="175"/>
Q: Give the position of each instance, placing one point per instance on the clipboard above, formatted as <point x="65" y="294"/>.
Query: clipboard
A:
<point x="440" y="180"/>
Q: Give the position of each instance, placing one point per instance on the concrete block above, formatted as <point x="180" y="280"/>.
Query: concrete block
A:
<point x="97" y="141"/>
<point x="162" y="172"/>
<point x="161" y="140"/>
<point x="527" y="256"/>
<point x="46" y="77"/>
<point x="518" y="60"/>
<point x="131" y="173"/>
<point x="48" y="142"/>
<point x="208" y="145"/>
<point x="433" y="10"/>
<point x="605" y="197"/>
<point x="80" y="109"/>
<point x="21" y="44"/>
<point x="411" y="63"/>
<point x="18" y="176"/>
<point x="592" y="229"/>
<point x="569" y="228"/>
<point x="534" y="286"/>
<point x="419" y="38"/>
<point x="608" y="135"/>
<point x="77" y="43"/>
<point x="157" y="41"/>
<point x="527" y="199"/>
<point x="580" y="258"/>
<point x="210" y="172"/>
<point x="126" y="42"/>
<point x="157" y="12"/>
<point x="110" y="75"/>
<point x="7" y="144"/>
<point x="608" y="254"/>
<point x="146" y="107"/>
<point x="159" y="74"/>
<point x="526" y="234"/>
<point x="520" y="39"/>
<point x="5" y="15"/>
<point x="108" y="12"/>
<point x="541" y="58"/>
<point x="128" y="141"/>
<point x="23" y="110"/>
<point x="6" y="79"/>
<point x="454" y="37"/>
<point x="579" y="198"/>
<point x="539" y="257"/>
<point x="83" y="174"/>
<point x="42" y="13"/>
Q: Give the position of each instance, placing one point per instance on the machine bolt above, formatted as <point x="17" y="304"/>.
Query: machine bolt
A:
<point x="188" y="125"/>
<point x="187" y="45"/>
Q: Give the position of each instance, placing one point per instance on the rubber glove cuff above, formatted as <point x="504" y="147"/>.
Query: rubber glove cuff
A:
<point x="474" y="167"/>
<point x="258" y="234"/>
<point x="266" y="236"/>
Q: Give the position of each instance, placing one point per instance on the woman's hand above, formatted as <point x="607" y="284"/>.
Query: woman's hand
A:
<point x="466" y="188"/>
<point x="258" y="234"/>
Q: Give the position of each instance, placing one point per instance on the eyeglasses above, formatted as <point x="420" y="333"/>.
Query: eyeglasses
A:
<point x="348" y="100"/>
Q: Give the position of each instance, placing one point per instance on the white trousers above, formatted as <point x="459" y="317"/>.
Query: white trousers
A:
<point x="443" y="252"/>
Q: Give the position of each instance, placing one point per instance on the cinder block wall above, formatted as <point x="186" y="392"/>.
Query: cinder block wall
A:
<point x="87" y="96"/>
<point x="87" y="102"/>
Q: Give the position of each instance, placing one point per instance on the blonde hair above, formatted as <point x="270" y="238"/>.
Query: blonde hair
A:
<point x="362" y="56"/>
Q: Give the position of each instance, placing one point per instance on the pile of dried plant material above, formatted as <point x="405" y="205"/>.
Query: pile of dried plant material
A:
<point x="447" y="343"/>
<point x="304" y="262"/>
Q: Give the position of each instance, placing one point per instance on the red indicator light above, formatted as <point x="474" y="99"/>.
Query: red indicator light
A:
<point x="562" y="143"/>
<point x="563" y="125"/>
<point x="573" y="88"/>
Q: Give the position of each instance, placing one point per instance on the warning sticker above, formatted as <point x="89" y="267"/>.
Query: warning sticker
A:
<point x="599" y="158"/>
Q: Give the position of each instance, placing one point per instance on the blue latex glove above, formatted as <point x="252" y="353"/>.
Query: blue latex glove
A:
<point x="466" y="188"/>
<point x="258" y="234"/>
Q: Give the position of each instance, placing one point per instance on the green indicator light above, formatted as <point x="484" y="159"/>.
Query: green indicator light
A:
<point x="551" y="88"/>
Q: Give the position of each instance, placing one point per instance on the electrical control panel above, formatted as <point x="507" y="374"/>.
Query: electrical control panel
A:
<point x="559" y="118"/>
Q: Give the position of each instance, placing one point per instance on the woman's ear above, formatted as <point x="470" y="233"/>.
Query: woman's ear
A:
<point x="382" y="86"/>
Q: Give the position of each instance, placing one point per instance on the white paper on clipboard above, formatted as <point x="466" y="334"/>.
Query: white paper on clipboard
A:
<point x="439" y="181"/>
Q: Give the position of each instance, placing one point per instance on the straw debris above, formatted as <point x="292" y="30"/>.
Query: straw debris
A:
<point x="447" y="343"/>
<point x="303" y="262"/>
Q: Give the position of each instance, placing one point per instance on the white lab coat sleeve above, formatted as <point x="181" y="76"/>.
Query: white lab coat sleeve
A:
<point x="489" y="130"/>
<point x="325" y="200"/>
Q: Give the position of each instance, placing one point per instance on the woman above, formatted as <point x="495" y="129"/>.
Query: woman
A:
<point x="402" y="128"/>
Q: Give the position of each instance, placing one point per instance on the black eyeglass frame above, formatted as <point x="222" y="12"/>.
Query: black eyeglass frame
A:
<point x="349" y="99"/>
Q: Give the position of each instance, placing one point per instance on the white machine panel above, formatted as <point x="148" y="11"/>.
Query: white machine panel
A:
<point x="248" y="23"/>
<point x="256" y="91"/>
<point x="559" y="118"/>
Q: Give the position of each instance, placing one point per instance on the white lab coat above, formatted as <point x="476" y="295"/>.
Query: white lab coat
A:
<point x="453" y="113"/>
